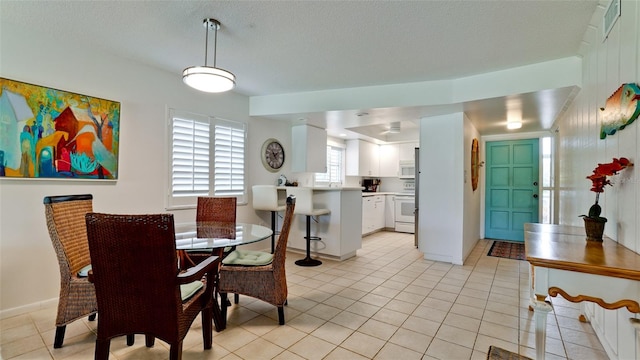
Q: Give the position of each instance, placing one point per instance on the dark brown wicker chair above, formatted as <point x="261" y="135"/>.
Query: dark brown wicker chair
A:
<point x="267" y="282"/>
<point x="66" y="224"/>
<point x="137" y="281"/>
<point x="220" y="210"/>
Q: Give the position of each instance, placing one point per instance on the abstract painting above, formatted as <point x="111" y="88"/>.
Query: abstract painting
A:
<point x="54" y="134"/>
<point x="620" y="110"/>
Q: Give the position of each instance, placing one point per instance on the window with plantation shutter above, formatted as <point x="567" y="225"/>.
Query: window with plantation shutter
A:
<point x="207" y="158"/>
<point x="334" y="167"/>
<point x="228" y="161"/>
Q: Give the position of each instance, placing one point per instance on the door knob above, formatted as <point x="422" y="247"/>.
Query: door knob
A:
<point x="535" y="183"/>
<point x="535" y="196"/>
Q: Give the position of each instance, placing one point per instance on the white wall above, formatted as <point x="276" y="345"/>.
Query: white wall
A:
<point x="449" y="209"/>
<point x="145" y="93"/>
<point x="606" y="65"/>
<point x="472" y="199"/>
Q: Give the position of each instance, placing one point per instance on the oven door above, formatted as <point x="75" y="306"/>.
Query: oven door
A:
<point x="405" y="206"/>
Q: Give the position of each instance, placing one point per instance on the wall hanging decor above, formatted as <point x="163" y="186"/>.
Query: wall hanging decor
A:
<point x="53" y="134"/>
<point x="475" y="164"/>
<point x="620" y="110"/>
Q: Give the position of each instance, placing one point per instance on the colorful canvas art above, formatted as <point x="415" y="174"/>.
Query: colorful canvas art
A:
<point x="621" y="109"/>
<point x="50" y="133"/>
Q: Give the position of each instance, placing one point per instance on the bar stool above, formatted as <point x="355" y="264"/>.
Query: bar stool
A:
<point x="265" y="197"/>
<point x="304" y="206"/>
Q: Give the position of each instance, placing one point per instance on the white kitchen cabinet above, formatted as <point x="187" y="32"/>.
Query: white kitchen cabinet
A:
<point x="373" y="213"/>
<point x="309" y="145"/>
<point x="407" y="151"/>
<point x="389" y="160"/>
<point x="363" y="158"/>
<point x="390" y="211"/>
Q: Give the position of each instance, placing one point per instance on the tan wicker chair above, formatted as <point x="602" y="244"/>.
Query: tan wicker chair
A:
<point x="67" y="229"/>
<point x="267" y="282"/>
<point x="137" y="281"/>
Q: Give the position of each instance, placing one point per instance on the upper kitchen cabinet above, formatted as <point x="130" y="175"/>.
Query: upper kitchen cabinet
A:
<point x="362" y="158"/>
<point x="407" y="151"/>
<point x="389" y="160"/>
<point x="309" y="145"/>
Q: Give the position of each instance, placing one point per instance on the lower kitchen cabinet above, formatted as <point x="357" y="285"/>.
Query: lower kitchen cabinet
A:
<point x="390" y="212"/>
<point x="373" y="213"/>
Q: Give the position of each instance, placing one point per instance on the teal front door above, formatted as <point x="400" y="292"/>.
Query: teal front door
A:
<point x="511" y="197"/>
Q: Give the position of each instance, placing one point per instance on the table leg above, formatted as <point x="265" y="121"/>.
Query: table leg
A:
<point x="541" y="309"/>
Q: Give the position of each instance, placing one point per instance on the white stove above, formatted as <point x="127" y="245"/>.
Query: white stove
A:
<point x="405" y="208"/>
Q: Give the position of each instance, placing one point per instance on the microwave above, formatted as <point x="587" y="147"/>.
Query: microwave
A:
<point x="407" y="170"/>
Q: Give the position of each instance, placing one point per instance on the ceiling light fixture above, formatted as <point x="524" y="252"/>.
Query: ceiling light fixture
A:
<point x="514" y="124"/>
<point x="206" y="78"/>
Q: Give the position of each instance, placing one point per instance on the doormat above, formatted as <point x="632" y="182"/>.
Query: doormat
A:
<point x="507" y="249"/>
<point x="496" y="353"/>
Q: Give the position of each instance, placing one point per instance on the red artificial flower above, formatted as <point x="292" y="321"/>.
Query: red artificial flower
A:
<point x="600" y="173"/>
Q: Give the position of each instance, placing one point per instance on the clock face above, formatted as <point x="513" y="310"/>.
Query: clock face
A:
<point x="272" y="155"/>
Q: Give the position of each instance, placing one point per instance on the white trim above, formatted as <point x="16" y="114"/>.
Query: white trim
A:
<point x="24" y="309"/>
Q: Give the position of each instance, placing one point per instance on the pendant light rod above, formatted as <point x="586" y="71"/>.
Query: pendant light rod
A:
<point x="208" y="25"/>
<point x="209" y="78"/>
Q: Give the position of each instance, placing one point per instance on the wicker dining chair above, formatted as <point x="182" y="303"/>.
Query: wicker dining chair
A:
<point x="265" y="282"/>
<point x="68" y="233"/>
<point x="139" y="287"/>
<point x="221" y="210"/>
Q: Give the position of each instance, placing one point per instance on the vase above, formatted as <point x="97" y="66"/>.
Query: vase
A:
<point x="594" y="228"/>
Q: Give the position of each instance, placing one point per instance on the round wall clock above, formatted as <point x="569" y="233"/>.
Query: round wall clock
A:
<point x="272" y="155"/>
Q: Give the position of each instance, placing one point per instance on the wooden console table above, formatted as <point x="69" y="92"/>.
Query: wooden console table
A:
<point x="563" y="262"/>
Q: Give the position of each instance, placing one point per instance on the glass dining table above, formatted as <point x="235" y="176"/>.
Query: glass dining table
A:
<point x="215" y="237"/>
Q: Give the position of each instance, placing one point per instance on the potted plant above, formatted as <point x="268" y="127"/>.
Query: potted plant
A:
<point x="593" y="222"/>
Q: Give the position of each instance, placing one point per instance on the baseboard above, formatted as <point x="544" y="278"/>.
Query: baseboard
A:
<point x="24" y="309"/>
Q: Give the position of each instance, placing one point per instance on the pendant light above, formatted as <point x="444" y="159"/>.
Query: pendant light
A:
<point x="206" y="78"/>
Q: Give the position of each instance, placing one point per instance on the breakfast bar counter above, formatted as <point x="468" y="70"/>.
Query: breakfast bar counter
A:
<point x="340" y="230"/>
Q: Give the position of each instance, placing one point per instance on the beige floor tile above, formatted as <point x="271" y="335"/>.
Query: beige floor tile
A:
<point x="578" y="352"/>
<point x="390" y="316"/>
<point x="283" y="336"/>
<point x="421" y="325"/>
<point x="324" y="312"/>
<point x="363" y="344"/>
<point x="287" y="355"/>
<point x="437" y="304"/>
<point x="483" y="342"/>
<point x="462" y="322"/>
<point x="312" y="348"/>
<point x="378" y="329"/>
<point x="426" y="312"/>
<point x="21" y="346"/>
<point x="332" y="333"/>
<point x="456" y="335"/>
<point x="401" y="306"/>
<point x="443" y="295"/>
<point x="499" y="331"/>
<point x="18" y="332"/>
<point x="501" y="319"/>
<point x="468" y="311"/>
<point x="344" y="354"/>
<point x="234" y="338"/>
<point x="392" y="352"/>
<point x="349" y="320"/>
<point x="259" y="348"/>
<point x="413" y="340"/>
<point x="363" y="309"/>
<point x="306" y="323"/>
<point x="441" y="349"/>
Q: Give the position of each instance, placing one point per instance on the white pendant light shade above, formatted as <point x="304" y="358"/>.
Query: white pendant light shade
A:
<point x="209" y="78"/>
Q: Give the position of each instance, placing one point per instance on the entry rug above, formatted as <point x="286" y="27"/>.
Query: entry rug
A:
<point x="507" y="249"/>
<point x="496" y="353"/>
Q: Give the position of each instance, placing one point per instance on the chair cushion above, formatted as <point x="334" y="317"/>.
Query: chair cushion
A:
<point x="248" y="258"/>
<point x="187" y="290"/>
<point x="84" y="272"/>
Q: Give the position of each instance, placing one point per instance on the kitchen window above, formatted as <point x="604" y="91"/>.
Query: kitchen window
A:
<point x="334" y="174"/>
<point x="207" y="158"/>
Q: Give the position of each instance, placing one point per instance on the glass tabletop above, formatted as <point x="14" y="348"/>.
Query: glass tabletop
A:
<point x="213" y="235"/>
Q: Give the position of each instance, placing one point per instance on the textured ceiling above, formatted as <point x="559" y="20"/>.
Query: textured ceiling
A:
<point x="276" y="47"/>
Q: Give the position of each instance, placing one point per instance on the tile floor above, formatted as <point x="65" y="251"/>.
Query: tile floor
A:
<point x="386" y="303"/>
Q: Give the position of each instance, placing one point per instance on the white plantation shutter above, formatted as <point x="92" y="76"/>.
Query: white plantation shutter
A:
<point x="229" y="159"/>
<point x="334" y="166"/>
<point x="190" y="158"/>
<point x="207" y="158"/>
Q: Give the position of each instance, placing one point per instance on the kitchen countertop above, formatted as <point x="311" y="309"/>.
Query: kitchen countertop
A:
<point x="365" y="194"/>
<point x="326" y="188"/>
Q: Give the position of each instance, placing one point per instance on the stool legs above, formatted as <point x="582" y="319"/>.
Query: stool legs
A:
<point x="308" y="261"/>
<point x="273" y="231"/>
